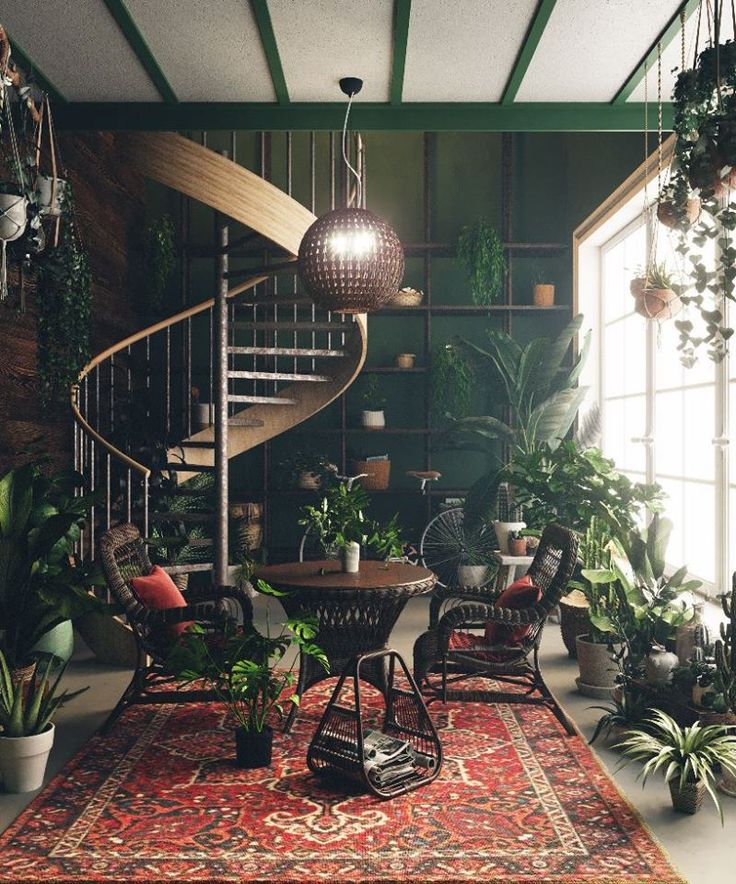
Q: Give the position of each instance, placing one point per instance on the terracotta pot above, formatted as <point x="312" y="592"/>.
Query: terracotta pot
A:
<point x="373" y="420"/>
<point x="660" y="304"/>
<point x="503" y="529"/>
<point x="517" y="546"/>
<point x="598" y="668"/>
<point x="405" y="360"/>
<point x="689" y="799"/>
<point x="666" y="213"/>
<point x="544" y="295"/>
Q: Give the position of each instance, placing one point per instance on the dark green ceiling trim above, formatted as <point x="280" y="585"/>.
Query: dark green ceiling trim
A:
<point x="649" y="58"/>
<point x="528" y="48"/>
<point x="402" y="13"/>
<point x="28" y="67"/>
<point x="268" y="39"/>
<point x="410" y="116"/>
<point x="124" y="20"/>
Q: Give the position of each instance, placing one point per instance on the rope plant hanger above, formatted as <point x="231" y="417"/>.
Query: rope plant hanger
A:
<point x="350" y="261"/>
<point x="700" y="198"/>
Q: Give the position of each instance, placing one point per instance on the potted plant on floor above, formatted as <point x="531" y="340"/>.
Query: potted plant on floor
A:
<point x="243" y="671"/>
<point x="27" y="709"/>
<point x="374" y="402"/>
<point x="689" y="757"/>
<point x="628" y="708"/>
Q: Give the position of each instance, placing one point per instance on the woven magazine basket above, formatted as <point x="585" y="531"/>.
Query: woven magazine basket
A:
<point x="378" y="473"/>
<point x="407" y="298"/>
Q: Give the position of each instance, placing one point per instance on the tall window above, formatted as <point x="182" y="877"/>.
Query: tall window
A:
<point x="661" y="421"/>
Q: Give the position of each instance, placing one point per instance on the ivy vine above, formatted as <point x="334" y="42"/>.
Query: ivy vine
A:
<point x="480" y="250"/>
<point x="64" y="310"/>
<point x="160" y="258"/>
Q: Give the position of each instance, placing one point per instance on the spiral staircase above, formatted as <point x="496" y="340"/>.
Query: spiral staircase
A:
<point x="260" y="353"/>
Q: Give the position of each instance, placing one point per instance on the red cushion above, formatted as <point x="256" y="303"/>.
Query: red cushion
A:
<point x="158" y="592"/>
<point x="522" y="593"/>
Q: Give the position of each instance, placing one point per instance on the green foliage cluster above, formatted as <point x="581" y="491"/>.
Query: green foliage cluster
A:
<point x="159" y="260"/>
<point x="726" y="654"/>
<point x="243" y="667"/>
<point x="480" y="250"/>
<point x="42" y="583"/>
<point x="452" y="383"/>
<point x="373" y="396"/>
<point x="64" y="310"/>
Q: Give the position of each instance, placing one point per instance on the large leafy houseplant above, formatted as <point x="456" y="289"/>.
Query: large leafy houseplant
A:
<point x="539" y="389"/>
<point x="689" y="757"/>
<point x="42" y="583"/>
<point x="704" y="121"/>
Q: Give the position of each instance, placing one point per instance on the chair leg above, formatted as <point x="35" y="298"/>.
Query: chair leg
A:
<point x="551" y="700"/>
<point x="125" y="701"/>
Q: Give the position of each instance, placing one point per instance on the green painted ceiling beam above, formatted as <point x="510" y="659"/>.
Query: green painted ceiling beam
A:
<point x="402" y="13"/>
<point x="268" y="39"/>
<point x="671" y="30"/>
<point x="410" y="116"/>
<point x="119" y="11"/>
<point x="528" y="48"/>
<point x="27" y="66"/>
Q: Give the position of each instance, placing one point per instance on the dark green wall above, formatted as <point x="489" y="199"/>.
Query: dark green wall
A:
<point x="557" y="180"/>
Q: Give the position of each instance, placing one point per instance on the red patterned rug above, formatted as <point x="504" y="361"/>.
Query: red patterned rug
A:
<point x="159" y="800"/>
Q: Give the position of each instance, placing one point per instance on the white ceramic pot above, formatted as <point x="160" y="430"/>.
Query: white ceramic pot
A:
<point x="13" y="217"/>
<point x="203" y="415"/>
<point x="472" y="575"/>
<point x="373" y="420"/>
<point x="503" y="529"/>
<point x="658" y="665"/>
<point x="350" y="558"/>
<point x="598" y="668"/>
<point x="23" y="760"/>
<point x="44" y="187"/>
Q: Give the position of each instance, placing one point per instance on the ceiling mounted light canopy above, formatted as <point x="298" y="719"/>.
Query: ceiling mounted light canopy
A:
<point x="350" y="261"/>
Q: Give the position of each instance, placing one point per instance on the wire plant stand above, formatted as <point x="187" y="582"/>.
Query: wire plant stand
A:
<point x="338" y="744"/>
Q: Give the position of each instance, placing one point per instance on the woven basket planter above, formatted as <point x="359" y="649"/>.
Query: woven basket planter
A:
<point x="378" y="473"/>
<point x="544" y="295"/>
<point x="248" y="528"/>
<point x="689" y="799"/>
<point x="406" y="298"/>
<point x="573" y="620"/>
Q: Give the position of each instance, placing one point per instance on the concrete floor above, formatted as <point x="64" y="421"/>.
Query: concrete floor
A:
<point x="703" y="851"/>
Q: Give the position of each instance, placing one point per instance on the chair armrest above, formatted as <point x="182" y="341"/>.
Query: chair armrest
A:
<point x="475" y="615"/>
<point x="201" y="606"/>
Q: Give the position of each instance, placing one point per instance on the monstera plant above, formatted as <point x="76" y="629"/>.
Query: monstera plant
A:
<point x="536" y="384"/>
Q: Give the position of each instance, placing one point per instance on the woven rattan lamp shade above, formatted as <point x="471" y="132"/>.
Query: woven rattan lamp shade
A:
<point x="350" y="261"/>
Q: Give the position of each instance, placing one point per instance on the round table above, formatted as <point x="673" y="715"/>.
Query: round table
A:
<point x="355" y="612"/>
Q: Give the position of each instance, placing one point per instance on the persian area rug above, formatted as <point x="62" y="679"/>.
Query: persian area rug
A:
<point x="159" y="800"/>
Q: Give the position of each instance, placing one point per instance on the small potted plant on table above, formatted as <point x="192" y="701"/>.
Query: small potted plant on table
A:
<point x="688" y="756"/>
<point x="242" y="670"/>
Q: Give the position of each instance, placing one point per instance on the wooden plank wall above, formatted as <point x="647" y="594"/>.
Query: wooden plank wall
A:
<point x="110" y="201"/>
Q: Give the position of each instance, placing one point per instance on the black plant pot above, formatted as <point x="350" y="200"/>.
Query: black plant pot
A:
<point x="253" y="749"/>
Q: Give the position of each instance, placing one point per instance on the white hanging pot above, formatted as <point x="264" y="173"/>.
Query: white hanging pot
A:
<point x="23" y="760"/>
<point x="13" y="216"/>
<point x="44" y="190"/>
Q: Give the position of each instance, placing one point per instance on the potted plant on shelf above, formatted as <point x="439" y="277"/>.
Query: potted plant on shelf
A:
<point x="544" y="291"/>
<point x="508" y="517"/>
<point x="517" y="543"/>
<point x="656" y="293"/>
<point x="688" y="757"/>
<point x="243" y="671"/>
<point x="305" y="470"/>
<point x="27" y="709"/>
<point x="374" y="402"/>
<point x="480" y="251"/>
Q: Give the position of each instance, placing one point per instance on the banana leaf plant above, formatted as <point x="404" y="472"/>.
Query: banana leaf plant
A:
<point x="27" y="709"/>
<point x="42" y="582"/>
<point x="539" y="389"/>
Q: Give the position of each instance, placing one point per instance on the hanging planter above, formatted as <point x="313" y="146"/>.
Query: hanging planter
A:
<point x="656" y="294"/>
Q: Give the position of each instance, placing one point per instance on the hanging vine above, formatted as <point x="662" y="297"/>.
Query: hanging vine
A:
<point x="64" y="310"/>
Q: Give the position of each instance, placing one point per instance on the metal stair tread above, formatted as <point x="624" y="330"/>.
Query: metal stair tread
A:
<point x="245" y="422"/>
<point x="261" y="400"/>
<point x="182" y="516"/>
<point x="284" y="351"/>
<point x="191" y="467"/>
<point x="245" y="375"/>
<point x="178" y="540"/>
<point x="290" y="325"/>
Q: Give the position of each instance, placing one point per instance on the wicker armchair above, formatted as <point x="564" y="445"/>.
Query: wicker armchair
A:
<point x="437" y="666"/>
<point x="123" y="555"/>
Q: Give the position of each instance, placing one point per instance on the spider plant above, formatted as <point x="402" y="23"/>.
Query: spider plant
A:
<point x="624" y="712"/>
<point x="688" y="756"/>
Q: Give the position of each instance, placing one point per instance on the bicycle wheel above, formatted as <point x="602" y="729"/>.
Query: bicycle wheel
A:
<point x="444" y="546"/>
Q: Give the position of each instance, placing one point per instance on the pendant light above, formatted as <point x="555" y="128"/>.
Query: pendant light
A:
<point x="350" y="261"/>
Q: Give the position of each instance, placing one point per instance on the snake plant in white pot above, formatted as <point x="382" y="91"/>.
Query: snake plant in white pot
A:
<point x="27" y="709"/>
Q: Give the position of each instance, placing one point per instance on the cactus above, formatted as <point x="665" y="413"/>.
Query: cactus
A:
<point x="726" y="649"/>
<point x="594" y="548"/>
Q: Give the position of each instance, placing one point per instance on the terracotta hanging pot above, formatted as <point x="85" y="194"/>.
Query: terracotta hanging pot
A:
<point x="668" y="216"/>
<point x="659" y="304"/>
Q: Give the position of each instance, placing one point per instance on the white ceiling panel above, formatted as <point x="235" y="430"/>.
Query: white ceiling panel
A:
<point x="80" y="48"/>
<point x="207" y="52"/>
<point x="463" y="50"/>
<point x="588" y="50"/>
<point x="320" y="41"/>
<point x="671" y="57"/>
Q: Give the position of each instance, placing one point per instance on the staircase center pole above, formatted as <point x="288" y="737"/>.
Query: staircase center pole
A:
<point x="221" y="407"/>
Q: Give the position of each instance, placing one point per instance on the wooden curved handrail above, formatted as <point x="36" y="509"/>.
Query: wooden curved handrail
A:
<point x="216" y="181"/>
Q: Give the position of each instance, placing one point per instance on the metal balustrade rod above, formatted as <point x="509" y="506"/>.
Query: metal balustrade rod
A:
<point x="168" y="381"/>
<point x="148" y="377"/>
<point x="221" y="410"/>
<point x="332" y="207"/>
<point x="108" y="501"/>
<point x="188" y="391"/>
<point x="289" y="188"/>
<point x="129" y="496"/>
<point x="129" y="398"/>
<point x="211" y="361"/>
<point x="145" y="506"/>
<point x="112" y="393"/>
<point x="93" y="514"/>
<point x="312" y="206"/>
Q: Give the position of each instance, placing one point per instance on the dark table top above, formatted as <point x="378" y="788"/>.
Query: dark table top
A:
<point x="372" y="575"/>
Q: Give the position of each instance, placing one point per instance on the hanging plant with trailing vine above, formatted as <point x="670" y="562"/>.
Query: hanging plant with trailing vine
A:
<point x="480" y="251"/>
<point x="64" y="310"/>
<point x="160" y="258"/>
<point x="452" y="383"/>
<point x="704" y="121"/>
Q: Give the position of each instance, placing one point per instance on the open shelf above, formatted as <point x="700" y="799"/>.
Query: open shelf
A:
<point x="392" y="369"/>
<point x="473" y="309"/>
<point x="352" y="431"/>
